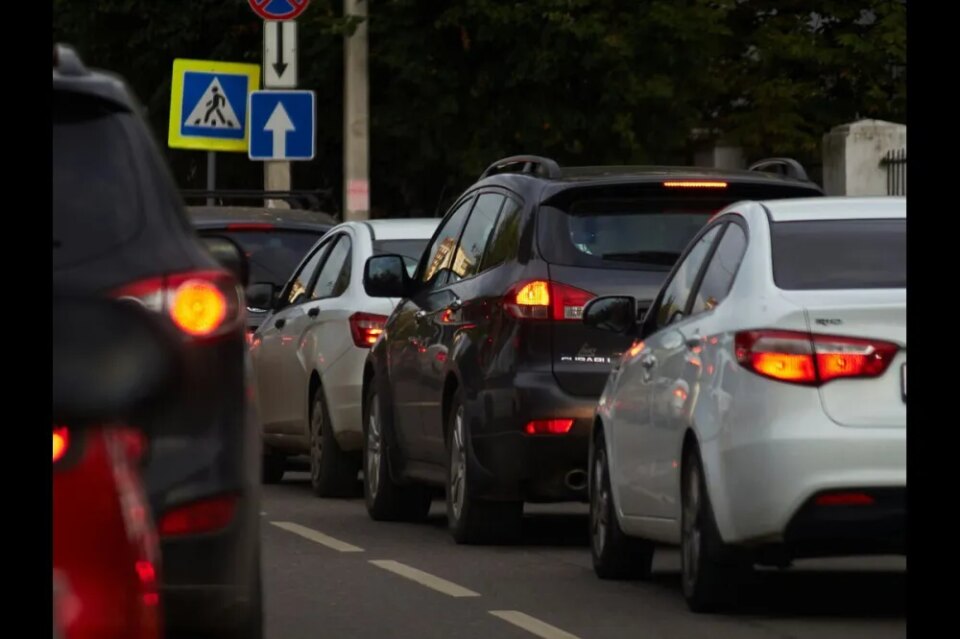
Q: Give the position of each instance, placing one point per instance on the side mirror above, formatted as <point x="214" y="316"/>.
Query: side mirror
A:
<point x="614" y="313"/>
<point x="230" y="256"/>
<point x="386" y="276"/>
<point x="112" y="361"/>
<point x="262" y="295"/>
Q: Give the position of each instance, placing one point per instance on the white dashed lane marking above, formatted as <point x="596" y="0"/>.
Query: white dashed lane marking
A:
<point x="317" y="536"/>
<point x="424" y="578"/>
<point x="532" y="624"/>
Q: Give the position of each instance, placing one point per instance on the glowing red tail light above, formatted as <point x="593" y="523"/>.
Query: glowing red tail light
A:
<point x="203" y="516"/>
<point x="366" y="328"/>
<point x="804" y="358"/>
<point x="542" y="299"/>
<point x="548" y="427"/>
<point x="844" y="499"/>
<point x="61" y="442"/>
<point x="199" y="303"/>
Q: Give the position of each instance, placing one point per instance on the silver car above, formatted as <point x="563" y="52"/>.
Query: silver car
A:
<point x="308" y="354"/>
<point x="760" y="415"/>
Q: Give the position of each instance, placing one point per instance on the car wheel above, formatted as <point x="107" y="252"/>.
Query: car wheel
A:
<point x="470" y="519"/>
<point x="615" y="554"/>
<point x="274" y="466"/>
<point x="711" y="571"/>
<point x="386" y="499"/>
<point x="333" y="472"/>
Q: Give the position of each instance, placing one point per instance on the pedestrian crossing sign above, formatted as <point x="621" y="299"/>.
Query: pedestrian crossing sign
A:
<point x="208" y="105"/>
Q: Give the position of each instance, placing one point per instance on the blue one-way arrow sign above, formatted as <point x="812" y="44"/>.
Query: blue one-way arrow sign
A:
<point x="282" y="125"/>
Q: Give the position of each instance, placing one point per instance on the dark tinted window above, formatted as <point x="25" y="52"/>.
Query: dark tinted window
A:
<point x="96" y="202"/>
<point x="718" y="278"/>
<point x="839" y="254"/>
<point x="273" y="255"/>
<point x="441" y="252"/>
<point x="410" y="250"/>
<point x="506" y="238"/>
<point x="474" y="239"/>
<point x="334" y="276"/>
<point x="678" y="290"/>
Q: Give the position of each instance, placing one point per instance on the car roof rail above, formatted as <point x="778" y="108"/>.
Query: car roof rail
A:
<point x="66" y="60"/>
<point x="305" y="199"/>
<point x="788" y="167"/>
<point x="526" y="164"/>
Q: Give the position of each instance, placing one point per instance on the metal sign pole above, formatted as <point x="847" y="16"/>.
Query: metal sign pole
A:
<point x="211" y="174"/>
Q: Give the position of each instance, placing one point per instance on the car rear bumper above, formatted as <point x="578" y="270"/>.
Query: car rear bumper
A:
<point x="343" y="383"/>
<point x="514" y="465"/>
<point x="761" y="484"/>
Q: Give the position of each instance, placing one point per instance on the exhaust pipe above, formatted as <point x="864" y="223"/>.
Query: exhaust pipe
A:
<point x="576" y="479"/>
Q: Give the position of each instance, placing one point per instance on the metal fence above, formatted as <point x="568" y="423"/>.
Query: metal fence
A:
<point x="895" y="162"/>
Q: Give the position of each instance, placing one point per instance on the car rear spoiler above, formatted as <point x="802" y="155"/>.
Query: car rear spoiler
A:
<point x="320" y="200"/>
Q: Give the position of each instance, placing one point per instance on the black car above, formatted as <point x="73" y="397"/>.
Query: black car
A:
<point x="119" y="230"/>
<point x="274" y="240"/>
<point x="485" y="380"/>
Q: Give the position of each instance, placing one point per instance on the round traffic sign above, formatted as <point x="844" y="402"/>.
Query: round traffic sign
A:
<point x="278" y="9"/>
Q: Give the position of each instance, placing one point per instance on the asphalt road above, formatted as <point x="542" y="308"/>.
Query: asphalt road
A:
<point x="330" y="571"/>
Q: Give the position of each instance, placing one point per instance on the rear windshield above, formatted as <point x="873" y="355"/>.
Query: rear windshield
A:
<point x="273" y="255"/>
<point x="644" y="234"/>
<point x="840" y="254"/>
<point x="96" y="206"/>
<point x="411" y="250"/>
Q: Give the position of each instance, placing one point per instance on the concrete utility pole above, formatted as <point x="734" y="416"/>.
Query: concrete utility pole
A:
<point x="356" y="145"/>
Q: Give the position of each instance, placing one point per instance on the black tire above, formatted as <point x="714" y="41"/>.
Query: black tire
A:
<point x="333" y="472"/>
<point x="386" y="499"/>
<point x="274" y="466"/>
<point x="711" y="570"/>
<point x="470" y="519"/>
<point x="615" y="554"/>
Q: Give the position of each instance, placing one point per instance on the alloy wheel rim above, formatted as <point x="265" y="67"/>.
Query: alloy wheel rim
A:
<point x="372" y="473"/>
<point x="692" y="536"/>
<point x="599" y="506"/>
<point x="458" y="466"/>
<point x="316" y="441"/>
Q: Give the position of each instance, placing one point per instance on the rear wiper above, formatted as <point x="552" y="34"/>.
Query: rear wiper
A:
<point x="665" y="258"/>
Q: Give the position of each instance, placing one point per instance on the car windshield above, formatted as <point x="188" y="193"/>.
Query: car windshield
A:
<point x="840" y="254"/>
<point x="272" y="255"/>
<point x="410" y="250"/>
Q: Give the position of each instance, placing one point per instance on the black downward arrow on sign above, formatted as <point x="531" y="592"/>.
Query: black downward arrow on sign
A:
<point x="279" y="66"/>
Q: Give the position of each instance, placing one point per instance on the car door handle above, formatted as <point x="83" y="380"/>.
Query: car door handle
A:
<point x="648" y="361"/>
<point x="456" y="304"/>
<point x="279" y="323"/>
<point x="313" y="312"/>
<point x="420" y="314"/>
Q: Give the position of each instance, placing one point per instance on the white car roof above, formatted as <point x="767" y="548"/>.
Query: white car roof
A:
<point x="836" y="208"/>
<point x="417" y="228"/>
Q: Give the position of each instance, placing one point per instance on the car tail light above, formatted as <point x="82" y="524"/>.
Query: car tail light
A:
<point x="366" y="328"/>
<point x="844" y="499"/>
<point x="804" y="358"/>
<point x="548" y="427"/>
<point x="250" y="226"/>
<point x="542" y="299"/>
<point x="61" y="442"/>
<point x="199" y="303"/>
<point x="695" y="184"/>
<point x="204" y="516"/>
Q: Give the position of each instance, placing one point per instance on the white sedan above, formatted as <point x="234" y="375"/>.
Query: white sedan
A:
<point x="761" y="414"/>
<point x="309" y="352"/>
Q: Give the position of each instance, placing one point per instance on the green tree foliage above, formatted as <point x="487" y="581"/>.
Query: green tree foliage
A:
<point x="456" y="84"/>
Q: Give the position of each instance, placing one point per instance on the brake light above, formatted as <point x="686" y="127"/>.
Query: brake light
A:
<point x="366" y="328"/>
<point x="542" y="299"/>
<point x="61" y="441"/>
<point x="695" y="184"/>
<point x="844" y="499"/>
<point x="804" y="358"/>
<point x="148" y="580"/>
<point x="548" y="426"/>
<point x="199" y="303"/>
<point x="203" y="516"/>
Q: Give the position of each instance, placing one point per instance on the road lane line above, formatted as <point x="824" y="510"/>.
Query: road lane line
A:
<point x="424" y="578"/>
<point x="319" y="537"/>
<point x="532" y="624"/>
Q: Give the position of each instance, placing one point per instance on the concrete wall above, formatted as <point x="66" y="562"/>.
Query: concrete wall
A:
<point x="852" y="154"/>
